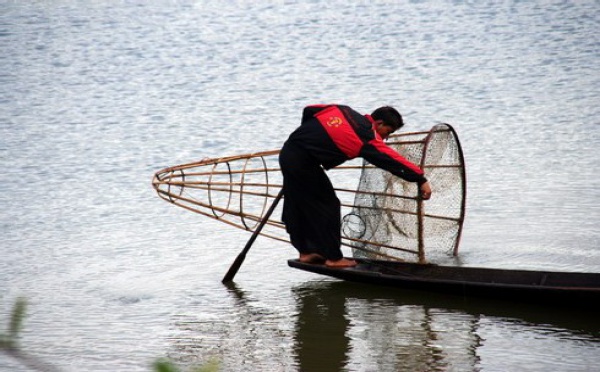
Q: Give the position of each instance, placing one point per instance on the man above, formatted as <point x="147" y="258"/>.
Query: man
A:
<point x="328" y="136"/>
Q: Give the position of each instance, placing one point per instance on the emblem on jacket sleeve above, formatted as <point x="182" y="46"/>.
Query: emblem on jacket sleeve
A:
<point x="334" y="122"/>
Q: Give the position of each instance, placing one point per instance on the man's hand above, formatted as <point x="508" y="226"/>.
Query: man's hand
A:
<point x="425" y="190"/>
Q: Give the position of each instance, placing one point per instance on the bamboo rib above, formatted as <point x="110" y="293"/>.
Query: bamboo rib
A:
<point x="377" y="194"/>
<point x="380" y="245"/>
<point x="237" y="171"/>
<point x="387" y="256"/>
<point x="433" y="166"/>
<point x="212" y="161"/>
<point x="339" y="167"/>
<point x="268" y="170"/>
<point x="198" y="184"/>
<point x="226" y="212"/>
<point x="406" y="134"/>
<point x="233" y="191"/>
<point x="202" y="204"/>
<point x="403" y="211"/>
<point x="416" y="142"/>
<point x="192" y="184"/>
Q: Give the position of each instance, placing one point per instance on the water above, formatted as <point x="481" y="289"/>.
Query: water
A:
<point x="94" y="98"/>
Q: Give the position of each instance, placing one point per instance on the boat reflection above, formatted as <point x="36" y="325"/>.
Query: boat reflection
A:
<point x="343" y="328"/>
<point x="348" y="326"/>
<point x="326" y="325"/>
<point x="321" y="341"/>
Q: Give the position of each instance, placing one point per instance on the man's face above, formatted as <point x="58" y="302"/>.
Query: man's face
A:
<point x="384" y="130"/>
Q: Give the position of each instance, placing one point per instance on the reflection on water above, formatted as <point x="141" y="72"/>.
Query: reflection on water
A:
<point x="321" y="339"/>
<point x="243" y="334"/>
<point x="333" y="326"/>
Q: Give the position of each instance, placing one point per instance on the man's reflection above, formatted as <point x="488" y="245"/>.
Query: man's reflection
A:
<point x="321" y="341"/>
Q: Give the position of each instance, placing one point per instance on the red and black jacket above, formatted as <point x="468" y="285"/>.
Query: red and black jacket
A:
<point x="336" y="133"/>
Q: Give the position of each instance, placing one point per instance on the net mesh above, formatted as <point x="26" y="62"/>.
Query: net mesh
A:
<point x="386" y="222"/>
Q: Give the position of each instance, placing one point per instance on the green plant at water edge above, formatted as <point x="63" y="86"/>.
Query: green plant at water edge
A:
<point x="9" y="344"/>
<point x="9" y="341"/>
<point x="165" y="365"/>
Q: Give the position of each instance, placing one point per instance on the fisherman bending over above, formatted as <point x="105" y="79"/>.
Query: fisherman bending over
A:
<point x="328" y="136"/>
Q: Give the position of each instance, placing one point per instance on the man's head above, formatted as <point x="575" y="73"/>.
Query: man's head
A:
<point x="390" y="120"/>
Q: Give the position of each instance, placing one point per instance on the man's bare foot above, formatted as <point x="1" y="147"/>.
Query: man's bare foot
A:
<point x="311" y="258"/>
<point x="344" y="262"/>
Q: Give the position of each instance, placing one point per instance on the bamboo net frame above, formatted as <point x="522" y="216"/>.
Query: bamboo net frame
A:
<point x="238" y="190"/>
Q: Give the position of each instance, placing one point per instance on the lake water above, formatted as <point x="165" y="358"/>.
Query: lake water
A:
<point x="96" y="97"/>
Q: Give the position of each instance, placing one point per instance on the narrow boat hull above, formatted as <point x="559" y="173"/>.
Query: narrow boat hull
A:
<point x="571" y="289"/>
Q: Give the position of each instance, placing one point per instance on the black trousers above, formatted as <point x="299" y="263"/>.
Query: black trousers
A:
<point x="311" y="209"/>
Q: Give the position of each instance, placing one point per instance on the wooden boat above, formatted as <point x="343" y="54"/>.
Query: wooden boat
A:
<point x="572" y="289"/>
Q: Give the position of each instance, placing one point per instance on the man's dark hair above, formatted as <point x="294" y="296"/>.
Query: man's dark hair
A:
<point x="390" y="117"/>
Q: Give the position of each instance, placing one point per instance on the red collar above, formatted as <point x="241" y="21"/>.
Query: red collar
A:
<point x="374" y="127"/>
<point x="370" y="119"/>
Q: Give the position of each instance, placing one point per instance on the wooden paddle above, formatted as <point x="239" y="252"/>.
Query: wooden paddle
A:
<point x="235" y="266"/>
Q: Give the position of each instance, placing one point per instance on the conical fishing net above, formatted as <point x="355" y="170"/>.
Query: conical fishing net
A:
<point x="384" y="217"/>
